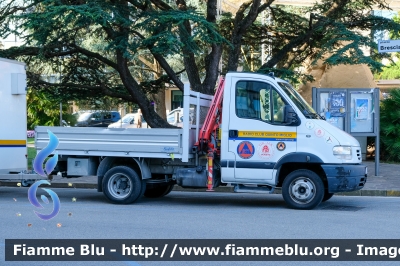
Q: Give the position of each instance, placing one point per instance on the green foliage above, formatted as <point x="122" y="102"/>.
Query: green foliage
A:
<point x="390" y="72"/>
<point x="390" y="126"/>
<point x="92" y="25"/>
<point x="44" y="112"/>
<point x="31" y="156"/>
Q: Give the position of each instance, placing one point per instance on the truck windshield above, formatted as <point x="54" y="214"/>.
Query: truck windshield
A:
<point x="84" y="117"/>
<point x="304" y="107"/>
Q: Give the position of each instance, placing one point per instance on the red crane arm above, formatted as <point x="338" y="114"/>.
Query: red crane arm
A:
<point x="212" y="121"/>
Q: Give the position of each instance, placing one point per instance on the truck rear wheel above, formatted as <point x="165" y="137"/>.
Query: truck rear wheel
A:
<point x="327" y="196"/>
<point x="159" y="191"/>
<point x="303" y="189"/>
<point x="121" y="184"/>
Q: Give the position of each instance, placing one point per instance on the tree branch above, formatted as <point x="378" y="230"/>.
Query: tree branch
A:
<point x="95" y="55"/>
<point x="161" y="5"/>
<point x="95" y="89"/>
<point x="188" y="56"/>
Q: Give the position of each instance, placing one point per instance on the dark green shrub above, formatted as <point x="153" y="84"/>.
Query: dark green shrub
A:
<point x="390" y="126"/>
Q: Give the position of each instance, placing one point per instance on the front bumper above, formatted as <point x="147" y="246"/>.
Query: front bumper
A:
<point x="343" y="178"/>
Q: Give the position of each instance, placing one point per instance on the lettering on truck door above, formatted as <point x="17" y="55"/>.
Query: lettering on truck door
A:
<point x="257" y="134"/>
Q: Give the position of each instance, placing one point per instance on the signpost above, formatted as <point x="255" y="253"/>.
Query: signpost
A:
<point x="387" y="46"/>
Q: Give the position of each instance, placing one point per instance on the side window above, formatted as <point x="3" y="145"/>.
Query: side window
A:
<point x="107" y="116"/>
<point x="96" y="116"/>
<point x="248" y="99"/>
<point x="258" y="100"/>
<point x="171" y="118"/>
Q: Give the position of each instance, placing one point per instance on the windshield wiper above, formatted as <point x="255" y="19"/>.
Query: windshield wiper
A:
<point x="312" y="115"/>
<point x="321" y="117"/>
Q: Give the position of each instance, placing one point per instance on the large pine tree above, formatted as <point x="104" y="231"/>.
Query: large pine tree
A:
<point x="104" y="48"/>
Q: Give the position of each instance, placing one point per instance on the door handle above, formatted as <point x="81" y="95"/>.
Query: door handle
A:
<point x="233" y="133"/>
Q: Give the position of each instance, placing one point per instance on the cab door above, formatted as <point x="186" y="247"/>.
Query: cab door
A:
<point x="257" y="134"/>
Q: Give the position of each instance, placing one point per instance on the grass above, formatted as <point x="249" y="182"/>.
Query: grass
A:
<point x="31" y="152"/>
<point x="31" y="156"/>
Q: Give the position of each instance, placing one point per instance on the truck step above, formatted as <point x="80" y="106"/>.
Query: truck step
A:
<point x="253" y="189"/>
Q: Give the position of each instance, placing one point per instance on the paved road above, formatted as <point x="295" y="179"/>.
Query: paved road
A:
<point x="194" y="215"/>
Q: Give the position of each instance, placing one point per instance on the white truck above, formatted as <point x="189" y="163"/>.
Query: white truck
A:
<point x="13" y="146"/>
<point x="256" y="134"/>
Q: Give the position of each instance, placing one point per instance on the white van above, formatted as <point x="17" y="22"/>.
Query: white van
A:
<point x="128" y="121"/>
<point x="175" y="117"/>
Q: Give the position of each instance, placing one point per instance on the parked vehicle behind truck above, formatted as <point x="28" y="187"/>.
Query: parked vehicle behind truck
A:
<point x="257" y="134"/>
<point x="129" y="121"/>
<point x="97" y="119"/>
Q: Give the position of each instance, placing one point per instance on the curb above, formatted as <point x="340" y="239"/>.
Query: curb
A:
<point x="227" y="189"/>
<point x="371" y="193"/>
<point x="53" y="185"/>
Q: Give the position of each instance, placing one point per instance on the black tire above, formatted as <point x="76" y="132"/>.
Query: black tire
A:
<point x="171" y="187"/>
<point x="158" y="192"/>
<point x="327" y="196"/>
<point x="303" y="189"/>
<point x="122" y="185"/>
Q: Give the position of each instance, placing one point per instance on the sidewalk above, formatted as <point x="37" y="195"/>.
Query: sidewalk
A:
<point x="386" y="184"/>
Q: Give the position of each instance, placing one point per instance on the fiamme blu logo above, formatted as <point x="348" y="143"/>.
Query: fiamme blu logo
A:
<point x="49" y="166"/>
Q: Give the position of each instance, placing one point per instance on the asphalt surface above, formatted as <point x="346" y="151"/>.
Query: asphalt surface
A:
<point x="386" y="184"/>
<point x="183" y="215"/>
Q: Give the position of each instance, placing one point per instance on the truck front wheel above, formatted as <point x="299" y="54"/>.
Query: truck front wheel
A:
<point x="121" y="184"/>
<point x="303" y="189"/>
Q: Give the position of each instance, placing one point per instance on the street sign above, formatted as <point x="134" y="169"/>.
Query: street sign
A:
<point x="387" y="46"/>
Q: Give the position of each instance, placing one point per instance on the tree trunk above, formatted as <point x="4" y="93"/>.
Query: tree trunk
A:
<point x="152" y="118"/>
<point x="159" y="101"/>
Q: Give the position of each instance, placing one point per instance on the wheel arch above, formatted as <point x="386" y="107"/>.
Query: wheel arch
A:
<point x="296" y="161"/>
<point x="138" y="164"/>
<point x="122" y="185"/>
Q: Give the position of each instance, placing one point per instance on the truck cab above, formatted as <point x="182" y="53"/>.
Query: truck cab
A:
<point x="271" y="136"/>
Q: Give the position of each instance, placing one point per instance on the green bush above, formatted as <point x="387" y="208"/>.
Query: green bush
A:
<point x="390" y="127"/>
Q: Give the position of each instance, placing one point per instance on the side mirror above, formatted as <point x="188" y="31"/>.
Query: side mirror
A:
<point x="290" y="116"/>
<point x="132" y="122"/>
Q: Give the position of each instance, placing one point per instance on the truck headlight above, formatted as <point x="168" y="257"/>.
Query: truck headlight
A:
<point x="342" y="152"/>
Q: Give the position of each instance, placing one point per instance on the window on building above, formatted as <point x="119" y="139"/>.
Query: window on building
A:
<point x="176" y="99"/>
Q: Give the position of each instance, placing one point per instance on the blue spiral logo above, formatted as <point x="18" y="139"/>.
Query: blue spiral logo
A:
<point x="32" y="198"/>
<point x="49" y="166"/>
<point x="43" y="154"/>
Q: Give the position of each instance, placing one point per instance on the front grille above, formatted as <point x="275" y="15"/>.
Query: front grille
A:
<point x="362" y="182"/>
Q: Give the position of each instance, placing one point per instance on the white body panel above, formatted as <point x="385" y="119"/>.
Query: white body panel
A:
<point x="118" y="142"/>
<point x="256" y="136"/>
<point x="245" y="157"/>
<point x="13" y="116"/>
<point x="319" y="137"/>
